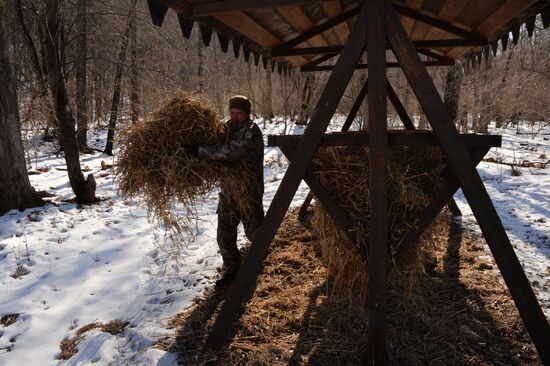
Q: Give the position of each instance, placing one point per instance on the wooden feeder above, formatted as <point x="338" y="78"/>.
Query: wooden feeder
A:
<point x="306" y="34"/>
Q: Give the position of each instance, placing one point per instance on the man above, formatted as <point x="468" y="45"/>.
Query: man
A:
<point x="245" y="142"/>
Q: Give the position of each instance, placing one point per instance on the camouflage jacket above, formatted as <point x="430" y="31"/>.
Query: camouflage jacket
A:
<point x="244" y="141"/>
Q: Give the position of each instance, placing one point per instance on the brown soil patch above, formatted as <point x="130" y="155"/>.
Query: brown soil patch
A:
<point x="459" y="313"/>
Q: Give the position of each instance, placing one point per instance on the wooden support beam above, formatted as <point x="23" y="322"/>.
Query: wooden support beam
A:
<point x="395" y="138"/>
<point x="221" y="6"/>
<point x="366" y="66"/>
<point x="435" y="56"/>
<point x="321" y="116"/>
<point x="450" y="186"/>
<point x="317" y="30"/>
<point x="378" y="184"/>
<point x="438" y="23"/>
<point x="399" y="108"/>
<point x="330" y="206"/>
<point x="298" y="19"/>
<point x="333" y="9"/>
<point x="461" y="162"/>
<point x="319" y="60"/>
<point x="430" y="43"/>
<point x="356" y="105"/>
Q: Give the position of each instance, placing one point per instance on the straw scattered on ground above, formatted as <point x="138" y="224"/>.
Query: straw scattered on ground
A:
<point x="458" y="314"/>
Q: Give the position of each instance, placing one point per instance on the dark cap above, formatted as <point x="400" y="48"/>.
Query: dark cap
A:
<point x="240" y="102"/>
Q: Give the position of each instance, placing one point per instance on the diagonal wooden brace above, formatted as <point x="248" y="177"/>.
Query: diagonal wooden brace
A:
<point x="328" y="102"/>
<point x="330" y="206"/>
<point x="434" y="208"/>
<point x="460" y="161"/>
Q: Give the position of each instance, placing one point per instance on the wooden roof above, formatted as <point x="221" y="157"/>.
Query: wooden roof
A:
<point x="304" y="33"/>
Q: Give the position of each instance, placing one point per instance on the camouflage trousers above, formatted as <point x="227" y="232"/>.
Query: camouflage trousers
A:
<point x="230" y="214"/>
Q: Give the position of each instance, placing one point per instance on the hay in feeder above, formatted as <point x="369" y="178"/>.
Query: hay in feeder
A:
<point x="152" y="163"/>
<point x="414" y="179"/>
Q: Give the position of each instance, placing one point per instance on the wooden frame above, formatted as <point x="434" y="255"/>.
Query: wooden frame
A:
<point x="461" y="155"/>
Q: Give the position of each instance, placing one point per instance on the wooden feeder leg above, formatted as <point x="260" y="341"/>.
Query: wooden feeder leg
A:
<point x="472" y="185"/>
<point x="378" y="185"/>
<point x="328" y="102"/>
<point x="451" y="185"/>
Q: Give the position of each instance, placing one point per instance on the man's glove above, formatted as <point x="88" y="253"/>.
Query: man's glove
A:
<point x="192" y="150"/>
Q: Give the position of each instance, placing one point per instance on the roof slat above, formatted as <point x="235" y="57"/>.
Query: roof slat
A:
<point x="333" y="9"/>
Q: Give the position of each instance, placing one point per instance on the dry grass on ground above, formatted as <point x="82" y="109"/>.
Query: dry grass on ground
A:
<point x="69" y="346"/>
<point x="459" y="314"/>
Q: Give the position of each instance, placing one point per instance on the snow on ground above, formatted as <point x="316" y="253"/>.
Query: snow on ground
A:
<point x="64" y="266"/>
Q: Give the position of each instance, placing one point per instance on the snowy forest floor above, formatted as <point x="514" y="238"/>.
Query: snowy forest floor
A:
<point x="64" y="267"/>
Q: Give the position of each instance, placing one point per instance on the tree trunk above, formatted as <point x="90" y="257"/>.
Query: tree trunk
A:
<point x="200" y="69"/>
<point x="16" y="191"/>
<point x="453" y="84"/>
<point x="118" y="80"/>
<point x="307" y="93"/>
<point x="134" y="77"/>
<point x="81" y="98"/>
<point x="84" y="189"/>
<point x="268" y="100"/>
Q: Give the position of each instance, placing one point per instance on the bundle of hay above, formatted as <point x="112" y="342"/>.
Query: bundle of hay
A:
<point x="415" y="178"/>
<point x="152" y="163"/>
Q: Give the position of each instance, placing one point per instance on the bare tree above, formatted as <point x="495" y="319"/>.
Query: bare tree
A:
<point x="81" y="98"/>
<point x="84" y="189"/>
<point x="118" y="80"/>
<point x="16" y="191"/>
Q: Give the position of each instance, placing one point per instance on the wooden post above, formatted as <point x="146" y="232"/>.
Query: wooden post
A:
<point x="378" y="185"/>
<point x="461" y="162"/>
<point x="301" y="159"/>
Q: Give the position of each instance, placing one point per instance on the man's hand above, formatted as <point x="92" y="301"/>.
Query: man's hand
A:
<point x="192" y="150"/>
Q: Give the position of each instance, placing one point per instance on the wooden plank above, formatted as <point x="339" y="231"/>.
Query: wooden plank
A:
<point x="216" y="7"/>
<point x="399" y="108"/>
<point x="318" y="29"/>
<point x="252" y="30"/>
<point x="378" y="184"/>
<point x="333" y="9"/>
<point x="450" y="187"/>
<point x="408" y="23"/>
<point x="366" y="66"/>
<point x="319" y="60"/>
<point x="434" y="43"/>
<point x="299" y="20"/>
<point x="449" y="12"/>
<point x="321" y="116"/>
<point x="438" y="23"/>
<point x="495" y="21"/>
<point x="395" y="138"/>
<point x="460" y="161"/>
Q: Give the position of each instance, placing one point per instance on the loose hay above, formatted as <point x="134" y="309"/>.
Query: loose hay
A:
<point x="414" y="179"/>
<point x="450" y="318"/>
<point x="152" y="163"/>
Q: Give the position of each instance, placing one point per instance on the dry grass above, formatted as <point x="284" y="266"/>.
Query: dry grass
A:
<point x="69" y="346"/>
<point x="415" y="178"/>
<point x="9" y="319"/>
<point x="459" y="314"/>
<point x="152" y="163"/>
